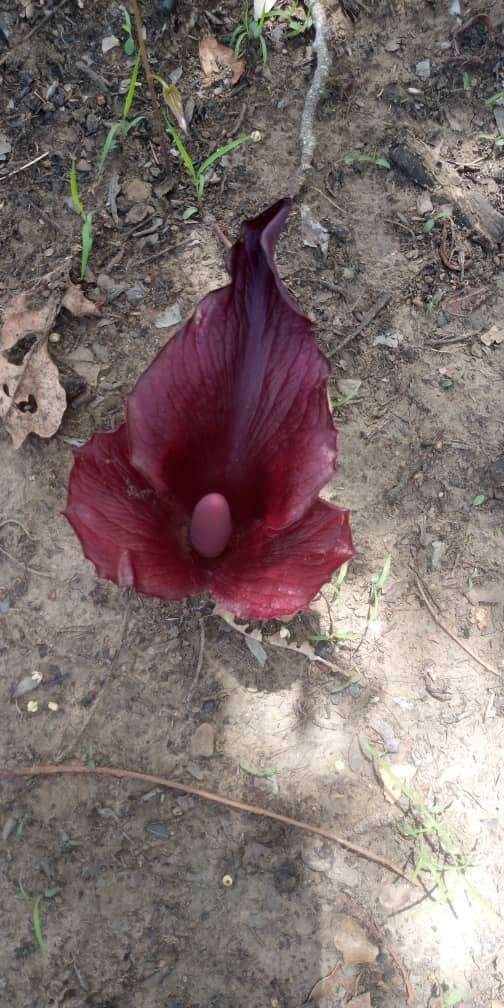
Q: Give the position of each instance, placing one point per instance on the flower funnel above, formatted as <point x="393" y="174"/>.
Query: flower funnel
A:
<point x="212" y="483"/>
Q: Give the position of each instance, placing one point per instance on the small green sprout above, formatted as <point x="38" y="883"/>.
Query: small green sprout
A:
<point x="125" y="125"/>
<point x="200" y="173"/>
<point x="372" y="159"/>
<point x="129" y="45"/>
<point x="434" y="219"/>
<point x="86" y="218"/>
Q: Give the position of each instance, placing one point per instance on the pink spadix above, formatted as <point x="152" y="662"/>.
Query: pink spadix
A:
<point x="210" y="529"/>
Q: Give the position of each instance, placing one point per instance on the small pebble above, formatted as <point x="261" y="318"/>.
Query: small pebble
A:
<point x="203" y="741"/>
<point x="8" y="827"/>
<point x="423" y="69"/>
<point x="136" y="190"/>
<point x="169" y="317"/>
<point x="138" y="213"/>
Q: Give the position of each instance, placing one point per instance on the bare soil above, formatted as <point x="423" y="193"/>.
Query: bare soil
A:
<point x="133" y="907"/>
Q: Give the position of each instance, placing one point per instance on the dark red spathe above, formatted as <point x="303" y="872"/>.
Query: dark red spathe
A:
<point x="212" y="483"/>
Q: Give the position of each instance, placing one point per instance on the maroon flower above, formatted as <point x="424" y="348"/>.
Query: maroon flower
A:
<point x="212" y="483"/>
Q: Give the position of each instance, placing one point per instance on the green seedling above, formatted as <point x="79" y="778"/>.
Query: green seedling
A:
<point x="257" y="771"/>
<point x="338" y="635"/>
<point x="297" y="19"/>
<point x="129" y="45"/>
<point x="447" y="383"/>
<point x="496" y="138"/>
<point x="248" y="30"/>
<point x="479" y="500"/>
<point x="371" y="159"/>
<point x="25" y="819"/>
<point x="453" y="997"/>
<point x="345" y="400"/>
<point x="36" y="918"/>
<point x="125" y="125"/>
<point x="378" y="583"/>
<point x="495" y="99"/>
<point x="89" y="758"/>
<point x="37" y="927"/>
<point x="466" y="81"/>
<point x="438" y="853"/>
<point x="86" y="218"/>
<point x="200" y="173"/>
<point x="434" y="302"/>
<point x="430" y="224"/>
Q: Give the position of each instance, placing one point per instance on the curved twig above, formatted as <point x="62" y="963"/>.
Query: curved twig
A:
<point x="48" y="769"/>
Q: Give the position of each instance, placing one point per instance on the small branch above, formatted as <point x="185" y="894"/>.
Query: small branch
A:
<point x="443" y="626"/>
<point x="375" y="310"/>
<point x="46" y="770"/>
<point x="306" y="132"/>
<point x="28" y="164"/>
<point x="156" y="108"/>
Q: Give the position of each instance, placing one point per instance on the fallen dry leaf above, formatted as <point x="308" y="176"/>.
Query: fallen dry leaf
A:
<point x="219" y="62"/>
<point x="482" y="618"/>
<point x="77" y="304"/>
<point x="361" y="1001"/>
<point x="32" y="400"/>
<point x="493" y="335"/>
<point x="21" y="319"/>
<point x="352" y="941"/>
<point x="326" y="985"/>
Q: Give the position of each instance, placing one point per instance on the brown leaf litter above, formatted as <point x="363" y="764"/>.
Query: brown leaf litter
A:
<point x="32" y="400"/>
<point x="219" y="61"/>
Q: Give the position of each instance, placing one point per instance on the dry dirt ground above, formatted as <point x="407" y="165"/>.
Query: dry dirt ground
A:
<point x="123" y="880"/>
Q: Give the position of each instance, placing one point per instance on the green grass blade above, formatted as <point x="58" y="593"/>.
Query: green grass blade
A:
<point x="37" y="927"/>
<point x="184" y="153"/>
<point x="128" y="126"/>
<point x="127" y="20"/>
<point x="128" y="101"/>
<point x="109" y="144"/>
<point x="221" y="152"/>
<point x="382" y="578"/>
<point x="87" y="243"/>
<point x="74" y="189"/>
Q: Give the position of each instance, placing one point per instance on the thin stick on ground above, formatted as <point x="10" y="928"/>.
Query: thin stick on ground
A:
<point x="22" y="168"/>
<point x="49" y="769"/>
<point x="201" y="655"/>
<point x="374" y="311"/>
<point x="446" y="629"/>
<point x="156" y="108"/>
